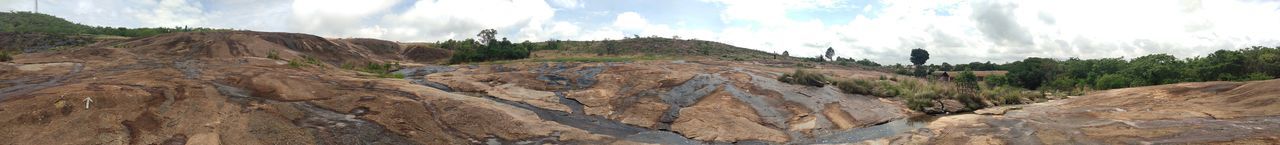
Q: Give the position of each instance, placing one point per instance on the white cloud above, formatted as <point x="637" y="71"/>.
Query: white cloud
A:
<point x="954" y="30"/>
<point x="568" y="4"/>
<point x="171" y="13"/>
<point x="999" y="31"/>
<point x="424" y="20"/>
<point x="340" y="18"/>
<point x="630" y="21"/>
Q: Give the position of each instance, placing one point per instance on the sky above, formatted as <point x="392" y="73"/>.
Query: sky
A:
<point x="954" y="31"/>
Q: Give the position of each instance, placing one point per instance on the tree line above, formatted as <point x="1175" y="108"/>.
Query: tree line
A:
<point x="1253" y="63"/>
<point x="489" y="48"/>
<point x="44" y="23"/>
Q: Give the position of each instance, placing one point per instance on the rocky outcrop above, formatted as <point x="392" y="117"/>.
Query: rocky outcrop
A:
<point x="1186" y="113"/>
<point x="145" y="97"/>
<point x="721" y="102"/>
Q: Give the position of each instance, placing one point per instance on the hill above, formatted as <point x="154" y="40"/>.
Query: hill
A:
<point x="667" y="47"/>
<point x="44" y="23"/>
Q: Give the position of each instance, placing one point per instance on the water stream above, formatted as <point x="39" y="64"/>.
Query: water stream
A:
<point x="886" y="129"/>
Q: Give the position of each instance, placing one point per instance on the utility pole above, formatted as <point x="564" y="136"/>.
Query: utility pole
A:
<point x="37" y="5"/>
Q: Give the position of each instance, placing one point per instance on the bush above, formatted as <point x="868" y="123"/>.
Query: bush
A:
<point x="1251" y="77"/>
<point x="997" y="80"/>
<point x="1111" y="81"/>
<point x="1003" y="95"/>
<point x="921" y="100"/>
<point x="471" y="50"/>
<point x="967" y="79"/>
<point x="886" y="89"/>
<point x="5" y="56"/>
<point x="381" y="70"/>
<point x="856" y="86"/>
<point x="273" y="55"/>
<point x="297" y="63"/>
<point x="803" y="77"/>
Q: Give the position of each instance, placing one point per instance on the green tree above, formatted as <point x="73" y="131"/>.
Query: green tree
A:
<point x="1031" y="72"/>
<point x="1155" y="69"/>
<point x="967" y="79"/>
<point x="830" y="52"/>
<point x="1111" y="81"/>
<point x="919" y="56"/>
<point x="487" y="36"/>
<point x="997" y="80"/>
<point x="785" y="53"/>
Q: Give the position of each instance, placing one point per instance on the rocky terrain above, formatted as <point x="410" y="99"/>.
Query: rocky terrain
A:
<point x="1186" y="113"/>
<point x="247" y="88"/>
<point x="221" y="88"/>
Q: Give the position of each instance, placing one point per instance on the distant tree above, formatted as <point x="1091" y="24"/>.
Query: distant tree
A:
<point x="487" y="36"/>
<point x="785" y="53"/>
<point x="919" y="56"/>
<point x="967" y="79"/>
<point x="1111" y="81"/>
<point x="946" y="66"/>
<point x="830" y="52"/>
<point x="1032" y="72"/>
<point x="495" y="49"/>
<point x="610" y="48"/>
<point x="997" y="80"/>
<point x="867" y="62"/>
<point x="1155" y="69"/>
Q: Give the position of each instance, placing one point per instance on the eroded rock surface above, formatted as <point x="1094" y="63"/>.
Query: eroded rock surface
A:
<point x="232" y="94"/>
<point x="1186" y="113"/>
<point x="711" y="102"/>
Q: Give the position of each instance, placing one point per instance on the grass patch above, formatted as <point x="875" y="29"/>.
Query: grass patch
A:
<point x="273" y="55"/>
<point x="803" y="77"/>
<point x="382" y="70"/>
<point x="305" y="61"/>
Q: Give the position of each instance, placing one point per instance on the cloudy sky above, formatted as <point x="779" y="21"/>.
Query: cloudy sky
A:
<point x="952" y="30"/>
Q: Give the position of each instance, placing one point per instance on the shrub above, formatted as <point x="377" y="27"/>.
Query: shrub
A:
<point x="273" y="55"/>
<point x="997" y="80"/>
<point x="803" y="77"/>
<point x="296" y="63"/>
<point x="1003" y="95"/>
<point x="5" y="56"/>
<point x="855" y="86"/>
<point x="311" y="60"/>
<point x="921" y="100"/>
<point x="967" y="79"/>
<point x="1251" y="77"/>
<point x="1111" y="81"/>
<point x="886" y="89"/>
<point x="381" y="70"/>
